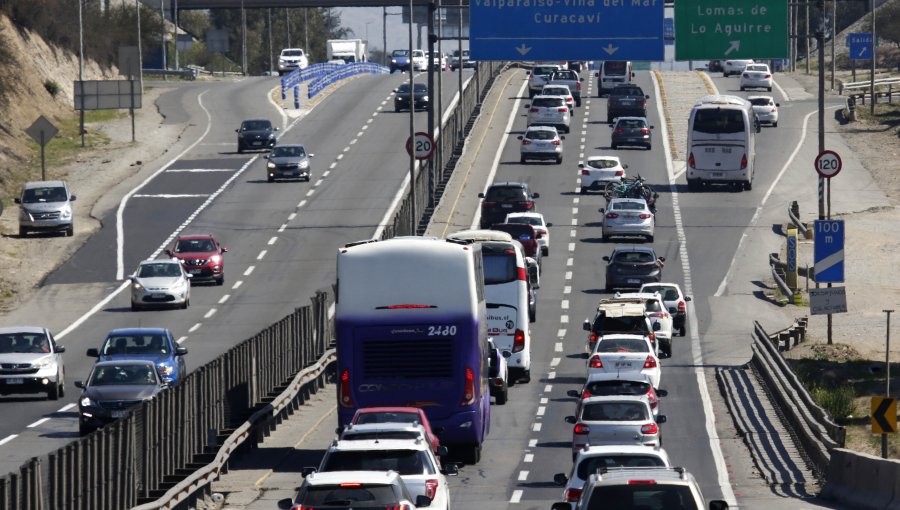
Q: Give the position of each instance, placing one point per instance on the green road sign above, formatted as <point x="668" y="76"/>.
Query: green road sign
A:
<point x="729" y="29"/>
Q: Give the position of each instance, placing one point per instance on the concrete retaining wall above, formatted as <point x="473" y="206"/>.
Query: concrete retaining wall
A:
<point x="863" y="481"/>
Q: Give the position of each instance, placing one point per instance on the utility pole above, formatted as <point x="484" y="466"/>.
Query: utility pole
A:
<point x="887" y="377"/>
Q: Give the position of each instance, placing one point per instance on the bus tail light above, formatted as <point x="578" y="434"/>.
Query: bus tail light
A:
<point x="691" y="162"/>
<point x="650" y="362"/>
<point x="650" y="429"/>
<point x="572" y="495"/>
<point x="744" y="161"/>
<point x="596" y="362"/>
<point x="582" y="429"/>
<point x="519" y="341"/>
<point x="345" y="398"/>
<point x="469" y="392"/>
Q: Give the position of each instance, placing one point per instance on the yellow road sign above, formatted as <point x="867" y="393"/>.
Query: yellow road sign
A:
<point x="884" y="415"/>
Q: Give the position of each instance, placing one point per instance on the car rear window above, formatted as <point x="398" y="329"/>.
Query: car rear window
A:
<point x="608" y="345"/>
<point x="540" y="134"/>
<point x="614" y="411"/>
<point x="719" y="121"/>
<point x="642" y="496"/>
<point x="618" y="387"/>
<point x="338" y="496"/>
<point x="404" y="462"/>
<point x="547" y="102"/>
<point x="603" y="163"/>
<point x="591" y="465"/>
<point x="634" y="257"/>
<point x="499" y="268"/>
<point x="628" y="324"/>
<point x="505" y="194"/>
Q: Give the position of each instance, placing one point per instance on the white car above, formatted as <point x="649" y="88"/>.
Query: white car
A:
<point x="549" y="111"/>
<point x="756" y="76"/>
<point x="591" y="459"/>
<point x="675" y="301"/>
<point x="735" y="66"/>
<point x="766" y="109"/>
<point x="615" y="420"/>
<point x="290" y="59"/>
<point x="597" y="171"/>
<point x="541" y="142"/>
<point x="536" y="220"/>
<point x="625" y="353"/>
<point x="32" y="362"/>
<point x="658" y="313"/>
<point x="628" y="217"/>
<point x="560" y="90"/>
<point x="160" y="283"/>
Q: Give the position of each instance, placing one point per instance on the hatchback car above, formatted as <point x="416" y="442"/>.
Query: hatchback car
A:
<point x="112" y="389"/>
<point x="31" y="362"/>
<point x="597" y="171"/>
<point x="541" y="142"/>
<point x="615" y="420"/>
<point x="735" y="66"/>
<point x="632" y="132"/>
<point x="541" y="227"/>
<point x="675" y="300"/>
<point x="592" y="459"/>
<point x="756" y="76"/>
<point x="628" y="217"/>
<point x="363" y="489"/>
<point x="288" y="162"/>
<point x="160" y="283"/>
<point x="503" y="198"/>
<point x="152" y="344"/>
<point x="202" y="257"/>
<point x="562" y="91"/>
<point x="258" y="134"/>
<point x="401" y="97"/>
<point x="766" y="109"/>
<point x="625" y="353"/>
<point x="631" y="267"/>
<point x="549" y="111"/>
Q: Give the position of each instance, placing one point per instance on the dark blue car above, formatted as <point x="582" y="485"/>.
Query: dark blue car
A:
<point x="152" y="344"/>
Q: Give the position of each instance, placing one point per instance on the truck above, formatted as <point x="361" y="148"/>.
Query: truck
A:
<point x="348" y="50"/>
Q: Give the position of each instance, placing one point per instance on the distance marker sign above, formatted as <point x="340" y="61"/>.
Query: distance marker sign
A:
<point x="731" y="29"/>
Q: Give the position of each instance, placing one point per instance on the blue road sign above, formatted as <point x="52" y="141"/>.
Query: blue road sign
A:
<point x="860" y="45"/>
<point x="566" y="30"/>
<point x="669" y="31"/>
<point x="829" y="251"/>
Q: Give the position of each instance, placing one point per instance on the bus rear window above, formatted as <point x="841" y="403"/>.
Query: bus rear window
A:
<point x="499" y="268"/>
<point x="614" y="68"/>
<point x="716" y="121"/>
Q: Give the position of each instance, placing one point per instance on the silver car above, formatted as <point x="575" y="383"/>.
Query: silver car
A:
<point x="46" y="206"/>
<point x="288" y="161"/>
<point x="160" y="283"/>
<point x="541" y="142"/>
<point x="628" y="217"/>
<point x="615" y="420"/>
<point x="31" y="362"/>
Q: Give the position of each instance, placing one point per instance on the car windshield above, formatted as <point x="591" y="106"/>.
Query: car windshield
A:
<point x="505" y="194"/>
<point x="131" y="375"/>
<point x="760" y="101"/>
<point x="149" y="343"/>
<point x="499" y="267"/>
<point x="591" y="465"/>
<point x="404" y="462"/>
<point x="194" y="246"/>
<point x="631" y="124"/>
<point x="608" y="345"/>
<point x="344" y="495"/>
<point x="625" y="324"/>
<point x="162" y="270"/>
<point x="668" y="293"/>
<point x="540" y="134"/>
<point x="614" y="411"/>
<point x="627" y="206"/>
<point x="548" y="102"/>
<point x="718" y="121"/>
<point x="40" y="195"/>
<point x="292" y="53"/>
<point x="634" y="257"/>
<point x="400" y="53"/>
<point x="256" y="125"/>
<point x="757" y="67"/>
<point x="618" y="387"/>
<point x="603" y="164"/>
<point x="527" y="220"/>
<point x="287" y="151"/>
<point x="642" y="497"/>
<point x="24" y="343"/>
<point x="387" y="417"/>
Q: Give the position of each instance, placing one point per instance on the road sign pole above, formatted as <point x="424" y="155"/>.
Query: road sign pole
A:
<point x="887" y="377"/>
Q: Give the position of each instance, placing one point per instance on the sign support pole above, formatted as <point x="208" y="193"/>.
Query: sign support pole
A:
<point x="887" y="377"/>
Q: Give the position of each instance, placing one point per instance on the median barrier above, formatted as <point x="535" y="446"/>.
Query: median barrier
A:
<point x="863" y="481"/>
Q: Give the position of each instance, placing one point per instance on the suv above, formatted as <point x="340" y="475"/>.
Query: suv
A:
<point x="626" y="101"/>
<point x="46" y="206"/>
<point x="503" y="198"/>
<point x="290" y="59"/>
<point x="31" y="362"/>
<point x="366" y="489"/>
<point x="632" y="487"/>
<point x="618" y="317"/>
<point x="632" y="267"/>
<point x="201" y="256"/>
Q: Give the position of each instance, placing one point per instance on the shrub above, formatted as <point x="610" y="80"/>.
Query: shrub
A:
<point x="838" y="402"/>
<point x="52" y="87"/>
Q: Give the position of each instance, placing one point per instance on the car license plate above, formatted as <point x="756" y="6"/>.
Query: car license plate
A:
<point x="195" y="271"/>
<point x="718" y="174"/>
<point x="634" y="281"/>
<point x="15" y="380"/>
<point x="623" y="364"/>
<point x="117" y="414"/>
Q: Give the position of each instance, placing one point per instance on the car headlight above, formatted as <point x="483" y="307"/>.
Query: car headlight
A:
<point x="137" y="286"/>
<point x="87" y="402"/>
<point x="165" y="369"/>
<point x="270" y="165"/>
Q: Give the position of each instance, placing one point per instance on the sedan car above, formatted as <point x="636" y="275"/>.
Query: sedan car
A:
<point x="625" y="353"/>
<point x="633" y="132"/>
<point x="631" y="267"/>
<point x="615" y="421"/>
<point x="541" y="142"/>
<point x="675" y="301"/>
<point x="541" y="227"/>
<point x="112" y="389"/>
<point x="202" y="257"/>
<point x="31" y="362"/>
<point x="256" y="134"/>
<point x="628" y="217"/>
<point x="160" y="283"/>
<point x="597" y="171"/>
<point x="288" y="161"/>
<point x="549" y="111"/>
<point x="735" y="66"/>
<point x="756" y="76"/>
<point x="152" y="344"/>
<point x="401" y="97"/>
<point x="591" y="459"/>
<point x="766" y="109"/>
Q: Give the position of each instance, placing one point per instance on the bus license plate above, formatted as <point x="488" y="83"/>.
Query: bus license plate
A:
<point x="15" y="380"/>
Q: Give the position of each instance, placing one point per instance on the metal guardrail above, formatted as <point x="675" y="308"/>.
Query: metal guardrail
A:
<point x="817" y="432"/>
<point x="190" y="73"/>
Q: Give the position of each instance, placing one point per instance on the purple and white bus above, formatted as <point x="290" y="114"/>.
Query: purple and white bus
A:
<point x="411" y="331"/>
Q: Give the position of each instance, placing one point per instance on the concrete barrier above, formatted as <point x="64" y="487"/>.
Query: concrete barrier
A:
<point x="863" y="481"/>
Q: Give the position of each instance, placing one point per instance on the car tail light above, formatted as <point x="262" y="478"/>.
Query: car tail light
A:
<point x="572" y="495"/>
<point x="744" y="161"/>
<point x="581" y="429"/>
<point x="346" y="399"/>
<point x="431" y="487"/>
<point x="651" y="396"/>
<point x="650" y="362"/>
<point x="557" y="142"/>
<point x="641" y="482"/>
<point x="645" y="216"/>
<point x="645" y="131"/>
<point x="619" y="131"/>
<point x="469" y="393"/>
<point x="526" y="142"/>
<point x="521" y="275"/>
<point x="620" y="173"/>
<point x="596" y="362"/>
<point x="650" y="429"/>
<point x="534" y="110"/>
<point x="691" y="162"/>
<point x="519" y="341"/>
<point x="585" y="172"/>
<point x="681" y="307"/>
<point x="611" y="216"/>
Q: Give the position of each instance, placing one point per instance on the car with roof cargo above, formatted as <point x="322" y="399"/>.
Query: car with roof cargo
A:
<point x="31" y="362"/>
<point x="152" y="344"/>
<point x="288" y="162"/>
<point x="46" y="206"/>
<point x="113" y="389"/>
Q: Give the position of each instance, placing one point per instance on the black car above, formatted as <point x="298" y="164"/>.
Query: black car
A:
<point x="632" y="131"/>
<point x="401" y="97"/>
<point x="288" y="161"/>
<point x="631" y="267"/>
<point x="256" y="134"/>
<point x="503" y="198"/>
<point x="113" y="389"/>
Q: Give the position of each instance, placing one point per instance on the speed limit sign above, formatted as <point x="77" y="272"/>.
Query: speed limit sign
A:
<point x="421" y="146"/>
<point x="828" y="164"/>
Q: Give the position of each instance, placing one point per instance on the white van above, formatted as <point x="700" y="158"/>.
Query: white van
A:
<point x="721" y="142"/>
<point x="612" y="73"/>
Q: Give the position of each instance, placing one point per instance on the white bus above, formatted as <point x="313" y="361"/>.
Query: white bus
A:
<point x="721" y="142"/>
<point x="612" y="73"/>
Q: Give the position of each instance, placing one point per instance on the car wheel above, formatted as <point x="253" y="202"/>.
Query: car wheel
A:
<point x="221" y="279"/>
<point x="503" y="396"/>
<point x="23" y="232"/>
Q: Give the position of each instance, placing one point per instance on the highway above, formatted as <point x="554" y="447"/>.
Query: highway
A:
<point x="281" y="260"/>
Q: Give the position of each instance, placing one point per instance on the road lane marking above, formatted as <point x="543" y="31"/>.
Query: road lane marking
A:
<point x="272" y="241"/>
<point x="261" y="255"/>
<point x="224" y="298"/>
<point x="8" y="439"/>
<point x="210" y="313"/>
<point x="249" y="270"/>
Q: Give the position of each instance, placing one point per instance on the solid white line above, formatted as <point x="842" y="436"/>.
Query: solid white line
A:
<point x="181" y="339"/>
<point x="272" y="240"/>
<point x="8" y="439"/>
<point x="261" y="255"/>
<point x="224" y="298"/>
<point x="523" y="475"/>
<point x="558" y="347"/>
<point x="237" y="284"/>
<point x="38" y="423"/>
<point x="516" y="496"/>
<point x="210" y="313"/>
<point x="696" y="350"/>
<point x="66" y="407"/>
<point x="249" y="270"/>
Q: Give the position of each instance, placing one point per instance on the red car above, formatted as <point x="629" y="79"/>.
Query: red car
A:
<point x="201" y="256"/>
<point x="525" y="234"/>
<point x="398" y="415"/>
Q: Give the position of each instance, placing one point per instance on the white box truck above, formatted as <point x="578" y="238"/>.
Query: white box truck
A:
<point x="348" y="50"/>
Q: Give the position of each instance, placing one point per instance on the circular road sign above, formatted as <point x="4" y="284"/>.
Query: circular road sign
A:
<point x="424" y="145"/>
<point x="828" y="164"/>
